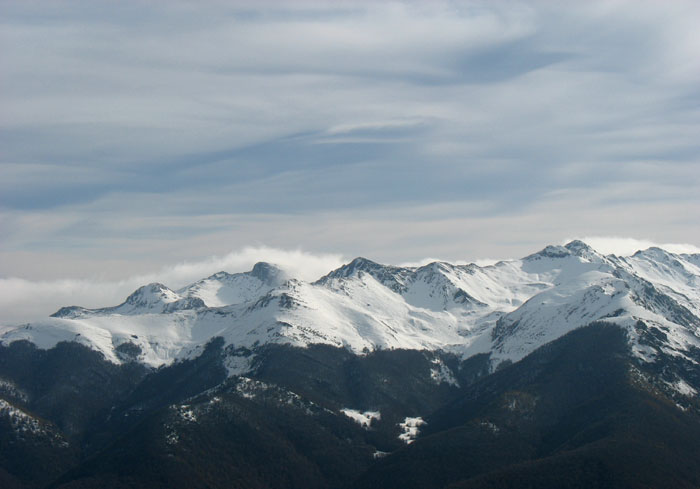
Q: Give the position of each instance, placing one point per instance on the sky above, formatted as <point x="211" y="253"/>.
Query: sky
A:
<point x="139" y="138"/>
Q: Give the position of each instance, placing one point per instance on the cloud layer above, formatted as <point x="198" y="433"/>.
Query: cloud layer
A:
<point x="25" y="300"/>
<point x="140" y="134"/>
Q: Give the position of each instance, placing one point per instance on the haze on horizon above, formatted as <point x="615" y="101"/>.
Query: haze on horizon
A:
<point x="138" y="135"/>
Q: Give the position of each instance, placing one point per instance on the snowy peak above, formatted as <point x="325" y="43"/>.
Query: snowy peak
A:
<point x="558" y="265"/>
<point x="151" y="295"/>
<point x="218" y="290"/>
<point x="435" y="286"/>
<point x="550" y="251"/>
<point x="154" y="298"/>
<point x="390" y="276"/>
<point x="666" y="262"/>
<point x="654" y="253"/>
<point x="435" y="267"/>
<point x="269" y="274"/>
<point x="357" y="265"/>
<point x="440" y="286"/>
<point x="675" y="275"/>
<point x="644" y="293"/>
<point x="582" y="250"/>
<point x="226" y="289"/>
<point x="574" y="248"/>
<point x="70" y="312"/>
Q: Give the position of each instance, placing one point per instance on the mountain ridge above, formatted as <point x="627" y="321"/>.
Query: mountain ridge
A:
<point x="507" y="309"/>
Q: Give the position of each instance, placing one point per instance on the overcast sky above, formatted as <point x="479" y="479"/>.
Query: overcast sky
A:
<point x="139" y="135"/>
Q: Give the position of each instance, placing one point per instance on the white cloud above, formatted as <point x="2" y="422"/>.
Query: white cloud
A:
<point x="628" y="246"/>
<point x="25" y="300"/>
<point x="299" y="264"/>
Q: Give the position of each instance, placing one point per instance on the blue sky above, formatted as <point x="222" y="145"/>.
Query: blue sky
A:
<point x="137" y="135"/>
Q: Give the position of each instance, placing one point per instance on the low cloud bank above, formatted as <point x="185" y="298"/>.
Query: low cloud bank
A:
<point x="627" y="246"/>
<point x="23" y="300"/>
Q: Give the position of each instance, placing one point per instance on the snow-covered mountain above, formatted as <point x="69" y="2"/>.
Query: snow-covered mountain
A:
<point x="554" y="367"/>
<point x="506" y="310"/>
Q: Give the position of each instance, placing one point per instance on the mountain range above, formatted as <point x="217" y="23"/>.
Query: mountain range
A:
<point x="566" y="368"/>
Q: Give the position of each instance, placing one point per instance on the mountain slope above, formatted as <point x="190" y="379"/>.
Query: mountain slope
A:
<point x="576" y="413"/>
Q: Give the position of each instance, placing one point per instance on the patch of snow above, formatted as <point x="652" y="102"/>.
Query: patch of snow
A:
<point x="441" y="373"/>
<point x="10" y="389"/>
<point x="364" y="419"/>
<point x="644" y="352"/>
<point x="490" y="426"/>
<point x="411" y="429"/>
<point x="186" y="413"/>
<point x="248" y="388"/>
<point x="20" y="420"/>
<point x="171" y="436"/>
<point x="254" y="389"/>
<point x="238" y="365"/>
<point x="684" y="388"/>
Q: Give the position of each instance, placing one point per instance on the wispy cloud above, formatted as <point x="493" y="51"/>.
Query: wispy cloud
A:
<point x="23" y="300"/>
